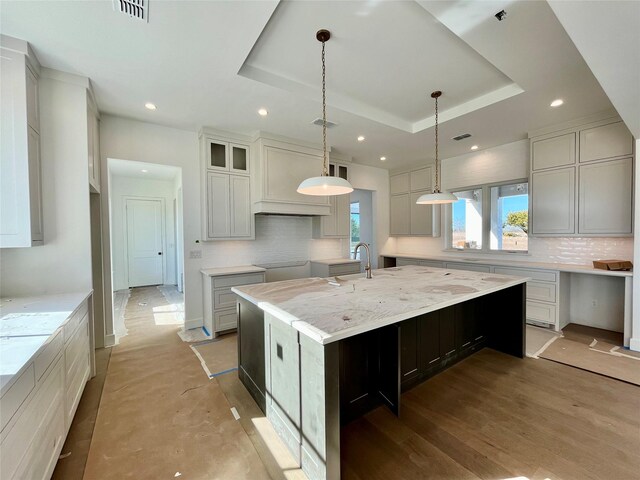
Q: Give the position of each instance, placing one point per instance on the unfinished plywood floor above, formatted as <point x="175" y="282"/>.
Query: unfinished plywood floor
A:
<point x="497" y="417"/>
<point x="159" y="415"/>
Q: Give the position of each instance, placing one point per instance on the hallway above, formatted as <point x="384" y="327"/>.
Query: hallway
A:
<point x="159" y="416"/>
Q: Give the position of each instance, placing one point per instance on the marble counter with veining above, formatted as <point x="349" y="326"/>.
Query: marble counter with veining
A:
<point x="332" y="309"/>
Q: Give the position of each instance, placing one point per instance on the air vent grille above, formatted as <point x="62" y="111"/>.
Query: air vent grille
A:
<point x="138" y="9"/>
<point x="318" y="121"/>
<point x="461" y="137"/>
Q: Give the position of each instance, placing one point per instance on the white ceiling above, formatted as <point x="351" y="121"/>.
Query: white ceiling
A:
<point x="148" y="171"/>
<point x="187" y="58"/>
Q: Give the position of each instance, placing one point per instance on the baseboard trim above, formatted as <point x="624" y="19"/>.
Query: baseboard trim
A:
<point x="109" y="340"/>
<point x="634" y="344"/>
<point x="193" y="323"/>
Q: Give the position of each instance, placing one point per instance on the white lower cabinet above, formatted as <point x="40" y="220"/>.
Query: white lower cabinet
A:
<point x="38" y="408"/>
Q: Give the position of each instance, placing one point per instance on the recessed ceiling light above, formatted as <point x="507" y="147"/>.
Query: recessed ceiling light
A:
<point x="150" y="106"/>
<point x="474" y="147"/>
<point x="383" y="158"/>
<point x="263" y="112"/>
<point x="557" y="102"/>
<point x="361" y="138"/>
<point x="144" y="171"/>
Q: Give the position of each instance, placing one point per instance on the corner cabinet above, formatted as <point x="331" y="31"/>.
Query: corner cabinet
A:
<point x="226" y="189"/>
<point x="280" y="166"/>
<point x="406" y="217"/>
<point x="582" y="181"/>
<point x="337" y="224"/>
<point x="21" y="222"/>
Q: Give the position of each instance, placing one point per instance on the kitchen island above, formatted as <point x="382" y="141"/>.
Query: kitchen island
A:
<point x="317" y="353"/>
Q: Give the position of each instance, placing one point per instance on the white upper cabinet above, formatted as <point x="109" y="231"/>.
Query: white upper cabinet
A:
<point x="226" y="188"/>
<point x="338" y="223"/>
<point x="279" y="169"/>
<point x="420" y="179"/>
<point x="422" y="220"/>
<point x="553" y="152"/>
<point x="553" y="202"/>
<point x="605" y="192"/>
<point x="21" y="222"/>
<point x="605" y="141"/>
<point x="582" y="180"/>
<point x="399" y="184"/>
<point x="400" y="213"/>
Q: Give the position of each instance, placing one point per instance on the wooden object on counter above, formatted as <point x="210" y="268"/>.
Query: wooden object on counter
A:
<point x="615" y="265"/>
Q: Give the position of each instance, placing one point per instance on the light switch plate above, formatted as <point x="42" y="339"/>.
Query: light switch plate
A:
<point x="195" y="254"/>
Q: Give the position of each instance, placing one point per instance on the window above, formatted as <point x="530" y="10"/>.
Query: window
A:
<point x="355" y="227"/>
<point x="491" y="217"/>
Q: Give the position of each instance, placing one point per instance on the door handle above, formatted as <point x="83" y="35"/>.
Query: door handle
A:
<point x="159" y="253"/>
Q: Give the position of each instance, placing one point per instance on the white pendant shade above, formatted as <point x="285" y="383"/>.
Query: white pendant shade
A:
<point x="437" y="198"/>
<point x="325" y="185"/>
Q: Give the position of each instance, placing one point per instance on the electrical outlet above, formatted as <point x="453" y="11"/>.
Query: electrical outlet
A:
<point x="195" y="254"/>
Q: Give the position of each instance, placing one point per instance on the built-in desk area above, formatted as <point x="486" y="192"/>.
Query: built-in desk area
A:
<point x="550" y="298"/>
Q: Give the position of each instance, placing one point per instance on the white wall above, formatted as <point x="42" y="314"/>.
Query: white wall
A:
<point x="63" y="263"/>
<point x="635" y="329"/>
<point x="277" y="238"/>
<point x="121" y="188"/>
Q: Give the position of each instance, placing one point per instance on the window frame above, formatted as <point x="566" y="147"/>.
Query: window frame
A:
<point x="486" y="220"/>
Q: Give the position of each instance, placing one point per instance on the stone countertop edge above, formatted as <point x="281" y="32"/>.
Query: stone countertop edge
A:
<point x="235" y="270"/>
<point x="515" y="263"/>
<point x="14" y="376"/>
<point x="325" y="338"/>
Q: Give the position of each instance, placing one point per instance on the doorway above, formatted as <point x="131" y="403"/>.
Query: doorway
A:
<point x="145" y="241"/>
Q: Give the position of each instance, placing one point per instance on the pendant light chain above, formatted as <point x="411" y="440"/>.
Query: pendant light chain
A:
<point x="437" y="190"/>
<point x="325" y="168"/>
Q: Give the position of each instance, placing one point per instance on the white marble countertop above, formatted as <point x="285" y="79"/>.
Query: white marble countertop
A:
<point x="335" y="261"/>
<point x="26" y="323"/>
<point x="327" y="313"/>
<point x="514" y="262"/>
<point x="221" y="271"/>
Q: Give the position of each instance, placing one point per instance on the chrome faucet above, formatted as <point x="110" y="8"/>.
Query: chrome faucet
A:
<point x="367" y="267"/>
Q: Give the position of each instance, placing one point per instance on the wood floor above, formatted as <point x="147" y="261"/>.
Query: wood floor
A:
<point x="496" y="417"/>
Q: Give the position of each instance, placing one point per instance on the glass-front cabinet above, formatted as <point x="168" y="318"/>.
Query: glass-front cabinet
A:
<point x="228" y="157"/>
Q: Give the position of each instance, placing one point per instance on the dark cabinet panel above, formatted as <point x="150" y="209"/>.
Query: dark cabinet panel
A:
<point x="409" y="346"/>
<point x="358" y="369"/>
<point x="464" y="324"/>
<point x="447" y="332"/>
<point x="429" y="344"/>
<point x="251" y="361"/>
<point x="389" y="366"/>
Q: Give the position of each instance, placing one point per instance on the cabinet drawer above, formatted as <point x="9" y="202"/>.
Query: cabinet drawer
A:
<point x="539" y="275"/>
<point x="541" y="312"/>
<point x="469" y="266"/>
<point x="74" y="321"/>
<point x="44" y="359"/>
<point x="19" y="391"/>
<point x="233" y="280"/>
<point x="75" y="351"/>
<point x="224" y="298"/>
<point x="545" y="292"/>
<point x="225" y="320"/>
<point x="344" y="269"/>
<point x="76" y="379"/>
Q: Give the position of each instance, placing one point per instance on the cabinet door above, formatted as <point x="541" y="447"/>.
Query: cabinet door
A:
<point x="429" y="331"/>
<point x="447" y="332"/>
<point x="553" y="201"/>
<point x="606" y="141"/>
<point x="343" y="216"/>
<point x="239" y="158"/>
<point x="606" y="197"/>
<point x="409" y="347"/>
<point x="240" y="206"/>
<point x="553" y="152"/>
<point x="421" y="216"/>
<point x="420" y="179"/>
<point x="218" y="208"/>
<point x="399" y="184"/>
<point x="35" y="187"/>
<point x="399" y="215"/>
<point x="217" y="155"/>
<point x="33" y="114"/>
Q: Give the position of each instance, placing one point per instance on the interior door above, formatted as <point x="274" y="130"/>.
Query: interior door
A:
<point x="144" y="242"/>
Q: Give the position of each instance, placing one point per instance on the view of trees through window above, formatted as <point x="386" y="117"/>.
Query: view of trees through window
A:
<point x="501" y="210"/>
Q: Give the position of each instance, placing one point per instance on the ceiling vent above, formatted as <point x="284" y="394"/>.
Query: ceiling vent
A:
<point x="461" y="137"/>
<point x="134" y="8"/>
<point x="318" y="121"/>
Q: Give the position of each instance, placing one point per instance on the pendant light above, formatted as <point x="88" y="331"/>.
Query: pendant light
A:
<point x="437" y="197"/>
<point x="324" y="184"/>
